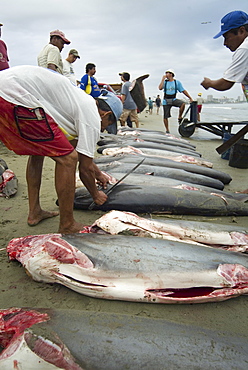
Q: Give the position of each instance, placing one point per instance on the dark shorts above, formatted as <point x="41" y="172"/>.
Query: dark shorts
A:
<point x="31" y="133"/>
<point x="172" y="103"/>
<point x="199" y="108"/>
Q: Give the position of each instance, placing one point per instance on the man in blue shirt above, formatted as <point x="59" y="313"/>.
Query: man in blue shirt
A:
<point x="171" y="87"/>
<point x="88" y="83"/>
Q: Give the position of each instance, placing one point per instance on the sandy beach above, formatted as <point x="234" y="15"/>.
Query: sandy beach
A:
<point x="19" y="290"/>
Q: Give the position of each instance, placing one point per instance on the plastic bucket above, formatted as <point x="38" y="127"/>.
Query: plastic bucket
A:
<point x="239" y="154"/>
<point x="226" y="137"/>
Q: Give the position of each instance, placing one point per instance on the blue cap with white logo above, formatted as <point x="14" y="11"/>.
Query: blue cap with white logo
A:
<point x="232" y="20"/>
<point x="113" y="102"/>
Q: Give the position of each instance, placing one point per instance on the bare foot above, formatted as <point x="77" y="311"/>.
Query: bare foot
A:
<point x="42" y="216"/>
<point x="71" y="229"/>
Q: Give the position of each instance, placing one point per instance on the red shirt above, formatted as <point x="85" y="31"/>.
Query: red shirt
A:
<point x="3" y="56"/>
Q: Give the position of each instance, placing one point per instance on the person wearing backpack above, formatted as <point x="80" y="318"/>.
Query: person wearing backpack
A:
<point x="171" y="87"/>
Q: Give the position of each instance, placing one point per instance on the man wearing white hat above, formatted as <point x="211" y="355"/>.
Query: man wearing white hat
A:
<point x="50" y="56"/>
<point x="3" y="53"/>
<point x="171" y="87"/>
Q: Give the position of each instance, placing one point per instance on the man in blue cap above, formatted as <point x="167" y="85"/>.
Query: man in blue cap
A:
<point x="107" y="100"/>
<point x="234" y="29"/>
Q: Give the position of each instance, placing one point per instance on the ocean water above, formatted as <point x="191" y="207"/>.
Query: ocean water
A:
<point x="224" y="112"/>
<point x="214" y="113"/>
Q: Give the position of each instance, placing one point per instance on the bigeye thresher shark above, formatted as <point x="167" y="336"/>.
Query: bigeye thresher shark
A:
<point x="128" y="268"/>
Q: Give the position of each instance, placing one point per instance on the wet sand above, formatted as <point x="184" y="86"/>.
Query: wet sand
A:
<point x="19" y="290"/>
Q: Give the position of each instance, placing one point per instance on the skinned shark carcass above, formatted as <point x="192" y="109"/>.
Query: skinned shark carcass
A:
<point x="133" y="269"/>
<point x="167" y="154"/>
<point x="205" y="233"/>
<point x="149" y="145"/>
<point x="123" y="140"/>
<point x="8" y="181"/>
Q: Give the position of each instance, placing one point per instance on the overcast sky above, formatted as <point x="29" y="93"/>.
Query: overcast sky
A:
<point x="135" y="36"/>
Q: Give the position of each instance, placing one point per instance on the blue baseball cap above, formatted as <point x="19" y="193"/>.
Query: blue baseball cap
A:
<point x="113" y="102"/>
<point x="232" y="20"/>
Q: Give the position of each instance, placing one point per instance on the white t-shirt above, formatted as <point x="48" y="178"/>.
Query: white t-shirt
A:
<point x="74" y="111"/>
<point x="50" y="54"/>
<point x="238" y="70"/>
<point x="68" y="71"/>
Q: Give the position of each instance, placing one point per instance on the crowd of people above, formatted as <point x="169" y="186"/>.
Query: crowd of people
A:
<point x="42" y="113"/>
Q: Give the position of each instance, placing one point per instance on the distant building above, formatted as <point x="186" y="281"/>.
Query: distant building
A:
<point x="224" y="100"/>
<point x="241" y="98"/>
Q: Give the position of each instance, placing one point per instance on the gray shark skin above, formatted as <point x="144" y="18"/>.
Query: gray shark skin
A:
<point x="167" y="200"/>
<point x="173" y="173"/>
<point x="101" y="340"/>
<point x="163" y="162"/>
<point x="106" y="139"/>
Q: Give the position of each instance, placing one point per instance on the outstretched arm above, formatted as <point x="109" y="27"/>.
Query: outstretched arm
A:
<point x="220" y="85"/>
<point x="185" y="92"/>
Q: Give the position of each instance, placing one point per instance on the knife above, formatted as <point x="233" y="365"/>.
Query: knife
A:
<point x="111" y="188"/>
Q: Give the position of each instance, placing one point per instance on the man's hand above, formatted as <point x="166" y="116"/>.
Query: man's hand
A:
<point x="89" y="173"/>
<point x="206" y="83"/>
<point x="100" y="198"/>
<point x="161" y="85"/>
<point x="102" y="179"/>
